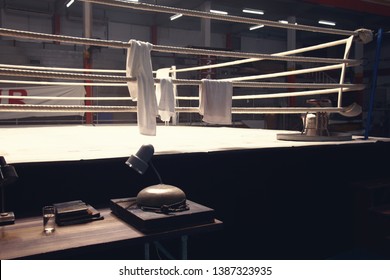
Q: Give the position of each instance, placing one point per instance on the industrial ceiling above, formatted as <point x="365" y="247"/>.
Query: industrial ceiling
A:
<point x="348" y="14"/>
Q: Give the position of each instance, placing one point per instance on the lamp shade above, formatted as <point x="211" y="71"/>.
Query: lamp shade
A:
<point x="139" y="161"/>
<point x="8" y="174"/>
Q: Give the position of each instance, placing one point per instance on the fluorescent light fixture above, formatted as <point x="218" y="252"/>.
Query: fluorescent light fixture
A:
<point x="286" y="22"/>
<point x="70" y="2"/>
<point x="326" y="22"/>
<point x="176" y="16"/>
<point x="253" y="11"/>
<point x="256" y="27"/>
<point x="218" y="12"/>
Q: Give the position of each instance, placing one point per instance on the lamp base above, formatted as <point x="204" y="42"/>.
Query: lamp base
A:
<point x="128" y="210"/>
<point x="7" y="218"/>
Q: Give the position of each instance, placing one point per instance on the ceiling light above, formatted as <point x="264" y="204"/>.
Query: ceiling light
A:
<point x="326" y="22"/>
<point x="253" y="11"/>
<point x="283" y="21"/>
<point x="218" y="12"/>
<point x="176" y="16"/>
<point x="256" y="27"/>
<point x="70" y="2"/>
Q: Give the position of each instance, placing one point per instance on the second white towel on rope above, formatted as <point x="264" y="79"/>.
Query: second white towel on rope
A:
<point x="215" y="101"/>
<point x="139" y="66"/>
<point x="166" y="99"/>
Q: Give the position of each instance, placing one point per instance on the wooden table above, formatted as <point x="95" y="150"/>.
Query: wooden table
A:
<point x="25" y="238"/>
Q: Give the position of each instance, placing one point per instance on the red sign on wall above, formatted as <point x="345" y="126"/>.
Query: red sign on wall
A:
<point x="25" y="96"/>
<point x="14" y="92"/>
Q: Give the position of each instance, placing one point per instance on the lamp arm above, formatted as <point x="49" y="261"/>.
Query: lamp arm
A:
<point x="2" y="191"/>
<point x="155" y="171"/>
<point x="2" y="199"/>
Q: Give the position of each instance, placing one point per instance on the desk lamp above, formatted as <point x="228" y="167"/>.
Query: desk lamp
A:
<point x="8" y="175"/>
<point x="160" y="198"/>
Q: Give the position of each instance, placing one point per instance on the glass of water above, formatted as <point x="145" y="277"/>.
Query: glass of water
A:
<point x="49" y="219"/>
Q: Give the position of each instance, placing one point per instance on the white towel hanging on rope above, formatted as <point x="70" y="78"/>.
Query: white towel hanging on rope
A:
<point x="215" y="101"/>
<point x="139" y="65"/>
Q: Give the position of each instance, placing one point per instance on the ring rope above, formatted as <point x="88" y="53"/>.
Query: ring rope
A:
<point x="274" y="84"/>
<point x="218" y="65"/>
<point x="281" y="94"/>
<point x="66" y="76"/>
<point x="169" y="49"/>
<point x="116" y="44"/>
<point x="235" y="110"/>
<point x="345" y="87"/>
<point x="61" y="69"/>
<point x="102" y="98"/>
<point x="285" y="73"/>
<point x="41" y="74"/>
<point x="111" y="78"/>
<point x="61" y="83"/>
<point x="209" y="15"/>
<point x="248" y="60"/>
<point x="64" y="108"/>
<point x="196" y="68"/>
<point x="290" y="94"/>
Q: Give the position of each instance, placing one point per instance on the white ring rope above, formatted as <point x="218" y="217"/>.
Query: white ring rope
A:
<point x="290" y="94"/>
<point x="237" y="97"/>
<point x="175" y="81"/>
<point x="169" y="49"/>
<point x="64" y="108"/>
<point x="281" y="95"/>
<point x="235" y="110"/>
<point x="47" y="83"/>
<point x="248" y="60"/>
<point x="28" y="67"/>
<point x="202" y="14"/>
<point x="285" y="73"/>
<point x="65" y="69"/>
<point x="62" y="75"/>
<point x="102" y="98"/>
<point x="36" y="72"/>
<point x="196" y="68"/>
<point x="110" y="78"/>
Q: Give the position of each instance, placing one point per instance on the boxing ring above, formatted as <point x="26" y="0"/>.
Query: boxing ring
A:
<point x="174" y="136"/>
<point x="298" y="192"/>
<point x="82" y="142"/>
